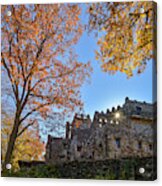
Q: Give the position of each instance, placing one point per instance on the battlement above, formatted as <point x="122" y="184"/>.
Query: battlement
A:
<point x="123" y="131"/>
<point x="127" y="100"/>
<point x="81" y="121"/>
<point x="131" y="108"/>
<point x="81" y="116"/>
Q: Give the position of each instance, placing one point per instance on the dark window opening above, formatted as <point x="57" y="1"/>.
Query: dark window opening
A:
<point x="62" y="156"/>
<point x="118" y="142"/>
<point x="79" y="148"/>
<point x="90" y="157"/>
<point x="138" y="110"/>
<point x="140" y="145"/>
<point x="100" y="145"/>
<point x="150" y="147"/>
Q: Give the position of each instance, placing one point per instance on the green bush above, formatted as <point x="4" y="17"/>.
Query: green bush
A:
<point x="41" y="171"/>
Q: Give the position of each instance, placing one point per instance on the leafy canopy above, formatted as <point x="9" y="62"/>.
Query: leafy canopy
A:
<point x="38" y="58"/>
<point x="39" y="61"/>
<point x="128" y="30"/>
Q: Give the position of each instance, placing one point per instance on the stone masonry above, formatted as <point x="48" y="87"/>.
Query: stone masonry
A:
<point x="124" y="132"/>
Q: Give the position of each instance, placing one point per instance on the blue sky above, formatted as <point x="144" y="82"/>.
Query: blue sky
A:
<point x="105" y="90"/>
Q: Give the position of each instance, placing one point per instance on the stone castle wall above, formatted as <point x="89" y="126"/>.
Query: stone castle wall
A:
<point x="127" y="131"/>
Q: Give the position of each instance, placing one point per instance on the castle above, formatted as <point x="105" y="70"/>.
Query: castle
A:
<point x="127" y="131"/>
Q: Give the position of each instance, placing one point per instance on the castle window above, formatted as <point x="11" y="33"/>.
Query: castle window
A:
<point x="111" y="122"/>
<point x="79" y="148"/>
<point x="105" y="120"/>
<point x="64" y="144"/>
<point x="90" y="157"/>
<point x="138" y="110"/>
<point x="117" y="122"/>
<point x="62" y="156"/>
<point x="100" y="125"/>
<point x="150" y="146"/>
<point x="140" y="145"/>
<point x="118" y="142"/>
<point x="100" y="120"/>
<point x="100" y="145"/>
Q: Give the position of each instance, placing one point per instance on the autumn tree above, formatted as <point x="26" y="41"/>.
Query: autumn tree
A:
<point x="27" y="147"/>
<point x="38" y="59"/>
<point x="128" y="35"/>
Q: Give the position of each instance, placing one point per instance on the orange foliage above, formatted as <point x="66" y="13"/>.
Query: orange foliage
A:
<point x="38" y="58"/>
<point x="32" y="40"/>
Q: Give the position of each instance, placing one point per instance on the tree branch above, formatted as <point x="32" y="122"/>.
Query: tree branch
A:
<point x="40" y="96"/>
<point x="27" y="95"/>
<point x="36" y="109"/>
<point x="26" y="127"/>
<point x="53" y="77"/>
<point x="40" y="48"/>
<point x="9" y="74"/>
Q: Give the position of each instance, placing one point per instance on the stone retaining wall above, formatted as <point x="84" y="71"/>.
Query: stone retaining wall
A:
<point x="110" y="169"/>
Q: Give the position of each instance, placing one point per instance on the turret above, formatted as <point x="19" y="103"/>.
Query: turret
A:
<point x="126" y="99"/>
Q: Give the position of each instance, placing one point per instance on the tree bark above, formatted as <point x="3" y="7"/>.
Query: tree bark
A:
<point x="11" y="143"/>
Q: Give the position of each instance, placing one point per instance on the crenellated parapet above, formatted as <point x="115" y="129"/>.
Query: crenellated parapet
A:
<point x="123" y="131"/>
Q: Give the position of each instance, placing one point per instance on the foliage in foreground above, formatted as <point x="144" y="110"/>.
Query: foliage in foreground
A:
<point x="41" y="171"/>
<point x="124" y="169"/>
<point x="46" y="171"/>
<point x="128" y="41"/>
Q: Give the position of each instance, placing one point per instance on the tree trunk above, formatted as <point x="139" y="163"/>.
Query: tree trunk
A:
<point x="11" y="143"/>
